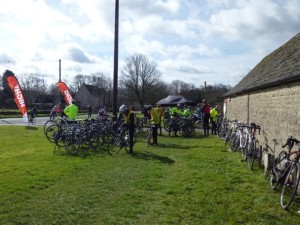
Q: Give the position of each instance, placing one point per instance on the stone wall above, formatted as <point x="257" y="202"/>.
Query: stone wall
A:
<point x="276" y="110"/>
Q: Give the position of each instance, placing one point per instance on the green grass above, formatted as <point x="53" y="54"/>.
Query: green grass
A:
<point x="182" y="181"/>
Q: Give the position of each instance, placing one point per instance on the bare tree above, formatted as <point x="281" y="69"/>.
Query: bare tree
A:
<point x="140" y="79"/>
<point x="178" y="87"/>
<point x="105" y="84"/>
<point x="33" y="86"/>
<point x="98" y="79"/>
<point x="78" y="81"/>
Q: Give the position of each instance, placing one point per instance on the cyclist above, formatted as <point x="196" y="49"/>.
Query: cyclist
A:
<point x="71" y="111"/>
<point x="154" y="123"/>
<point x="214" y="112"/>
<point x="161" y="113"/>
<point x="175" y="112"/>
<point x="130" y="121"/>
<point x="206" y="115"/>
<point x="89" y="108"/>
<point x="53" y="113"/>
<point x="33" y="113"/>
<point x="187" y="111"/>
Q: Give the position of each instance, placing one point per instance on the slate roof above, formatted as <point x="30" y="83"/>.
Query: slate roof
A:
<point x="281" y="66"/>
<point x="94" y="90"/>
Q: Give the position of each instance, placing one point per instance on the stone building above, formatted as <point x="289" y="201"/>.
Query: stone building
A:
<point x="89" y="95"/>
<point x="269" y="95"/>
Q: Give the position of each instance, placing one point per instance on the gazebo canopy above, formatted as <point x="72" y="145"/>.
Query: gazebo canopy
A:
<point x="173" y="100"/>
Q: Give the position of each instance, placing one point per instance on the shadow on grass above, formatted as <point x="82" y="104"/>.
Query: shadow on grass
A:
<point x="172" y="145"/>
<point x="151" y="156"/>
<point x="30" y="128"/>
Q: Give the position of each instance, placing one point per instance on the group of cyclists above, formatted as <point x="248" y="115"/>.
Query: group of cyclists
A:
<point x="153" y="114"/>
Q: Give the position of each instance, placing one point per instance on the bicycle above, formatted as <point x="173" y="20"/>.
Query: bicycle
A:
<point x="233" y="138"/>
<point x="31" y="119"/>
<point x="121" y="139"/>
<point x="286" y="171"/>
<point x="252" y="151"/>
<point x="223" y="129"/>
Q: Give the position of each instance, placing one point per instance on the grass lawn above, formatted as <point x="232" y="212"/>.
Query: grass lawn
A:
<point x="181" y="181"/>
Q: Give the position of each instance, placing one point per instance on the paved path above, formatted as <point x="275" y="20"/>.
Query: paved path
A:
<point x="40" y="121"/>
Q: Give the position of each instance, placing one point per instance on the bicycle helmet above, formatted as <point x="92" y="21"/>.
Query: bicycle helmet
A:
<point x="149" y="107"/>
<point x="123" y="108"/>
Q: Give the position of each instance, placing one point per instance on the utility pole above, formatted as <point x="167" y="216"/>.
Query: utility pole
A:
<point x="59" y="78"/>
<point x="204" y="90"/>
<point x="116" y="50"/>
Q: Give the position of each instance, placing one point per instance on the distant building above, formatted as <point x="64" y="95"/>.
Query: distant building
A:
<point x="89" y="95"/>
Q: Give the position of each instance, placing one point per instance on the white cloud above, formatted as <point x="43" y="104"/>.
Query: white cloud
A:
<point x="218" y="41"/>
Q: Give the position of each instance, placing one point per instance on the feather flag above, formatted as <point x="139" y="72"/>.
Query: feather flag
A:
<point x="65" y="92"/>
<point x="17" y="91"/>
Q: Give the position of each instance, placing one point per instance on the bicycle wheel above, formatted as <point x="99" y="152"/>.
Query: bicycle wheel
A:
<point x="72" y="144"/>
<point x="290" y="186"/>
<point x="29" y="120"/>
<point x="126" y="141"/>
<point x="167" y="125"/>
<point x="94" y="140"/>
<point x="52" y="132"/>
<point x="34" y="121"/>
<point x="188" y="130"/>
<point x="142" y="131"/>
<point x="230" y="141"/>
<point x="49" y="123"/>
<point x="199" y="124"/>
<point x="251" y="154"/>
<point x="234" y="143"/>
<point x="245" y="153"/>
<point x="279" y="165"/>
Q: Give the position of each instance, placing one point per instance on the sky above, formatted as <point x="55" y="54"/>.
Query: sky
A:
<point x="195" y="41"/>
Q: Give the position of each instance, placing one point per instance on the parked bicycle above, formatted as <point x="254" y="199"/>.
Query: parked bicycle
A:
<point x="253" y="152"/>
<point x="286" y="172"/>
<point x="121" y="139"/>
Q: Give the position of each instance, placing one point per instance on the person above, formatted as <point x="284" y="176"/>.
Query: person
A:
<point x="187" y="111"/>
<point x="206" y="115"/>
<point x="102" y="111"/>
<point x="71" y="111"/>
<point x="175" y="112"/>
<point x="214" y="112"/>
<point x="154" y="125"/>
<point x="130" y="121"/>
<point x="53" y="113"/>
<point x="58" y="110"/>
<point x="33" y="113"/>
<point x="145" y="113"/>
<point x="161" y="114"/>
<point x="199" y="112"/>
<point x="89" y="111"/>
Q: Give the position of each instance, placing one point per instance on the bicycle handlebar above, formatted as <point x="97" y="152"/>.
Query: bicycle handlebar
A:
<point x="252" y="126"/>
<point x="290" y="143"/>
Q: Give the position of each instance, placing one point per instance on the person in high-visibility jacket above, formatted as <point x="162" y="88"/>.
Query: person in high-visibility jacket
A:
<point x="154" y="124"/>
<point x="175" y="112"/>
<point x="161" y="113"/>
<point x="214" y="112"/>
<point x="130" y="121"/>
<point x="71" y="111"/>
<point x="187" y="111"/>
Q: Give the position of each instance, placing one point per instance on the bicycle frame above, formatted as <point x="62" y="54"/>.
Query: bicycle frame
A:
<point x="288" y="174"/>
